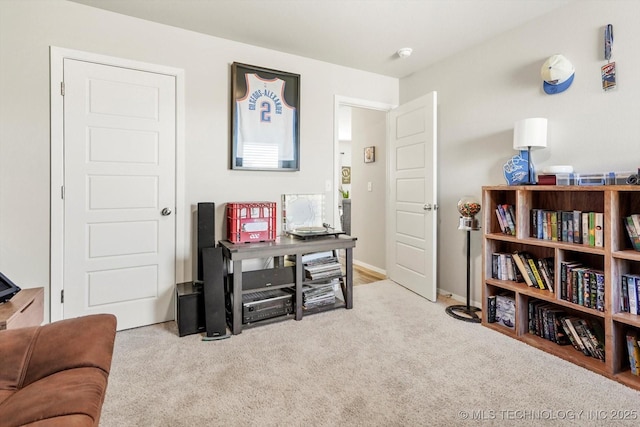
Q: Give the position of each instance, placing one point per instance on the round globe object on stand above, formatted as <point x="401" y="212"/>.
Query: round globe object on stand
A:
<point x="468" y="207"/>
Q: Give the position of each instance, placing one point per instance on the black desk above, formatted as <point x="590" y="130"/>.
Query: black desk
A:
<point x="285" y="245"/>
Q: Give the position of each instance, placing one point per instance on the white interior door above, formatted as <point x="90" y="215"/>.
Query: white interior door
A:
<point x="412" y="215"/>
<point x="119" y="193"/>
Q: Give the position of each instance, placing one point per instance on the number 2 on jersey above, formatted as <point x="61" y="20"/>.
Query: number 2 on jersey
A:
<point x="265" y="112"/>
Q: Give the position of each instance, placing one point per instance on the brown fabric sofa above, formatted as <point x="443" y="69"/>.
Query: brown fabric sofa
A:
<point x="56" y="374"/>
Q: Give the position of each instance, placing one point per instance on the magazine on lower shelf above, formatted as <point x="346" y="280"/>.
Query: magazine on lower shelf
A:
<point x="320" y="294"/>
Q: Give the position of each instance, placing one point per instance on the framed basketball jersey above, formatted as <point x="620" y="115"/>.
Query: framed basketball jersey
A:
<point x="265" y="112"/>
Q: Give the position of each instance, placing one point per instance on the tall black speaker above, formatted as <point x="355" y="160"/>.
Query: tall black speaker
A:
<point x="206" y="231"/>
<point x="213" y="288"/>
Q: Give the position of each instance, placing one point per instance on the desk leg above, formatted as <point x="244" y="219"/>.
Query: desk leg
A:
<point x="236" y="326"/>
<point x="299" y="278"/>
<point x="349" y="287"/>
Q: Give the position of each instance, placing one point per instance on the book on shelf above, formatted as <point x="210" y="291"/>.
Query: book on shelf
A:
<point x="554" y="226"/>
<point x="596" y="344"/>
<point x="511" y="213"/>
<point x="525" y="269"/>
<point x="587" y="340"/>
<point x="577" y="226"/>
<point x="599" y="229"/>
<point x="635" y="218"/>
<point x="504" y="227"/>
<point x="565" y="277"/>
<point x="598" y="332"/>
<point x="572" y="338"/>
<point x="632" y="232"/>
<point x="533" y="315"/>
<point x="630" y="284"/>
<point x="506" y="310"/>
<point x="585" y="228"/>
<point x="553" y="324"/>
<point x="546" y="269"/>
<point x="582" y="285"/>
<point x="504" y="268"/>
<point x="506" y="218"/>
<point x="633" y="293"/>
<point x="559" y="335"/>
<point x="571" y="330"/>
<point x="600" y="290"/>
<point x="575" y="288"/>
<point x="592" y="229"/>
<point x="540" y="215"/>
<point x="491" y="309"/>
<point x="534" y="270"/>
<point x="569" y="226"/>
<point x="547" y="323"/>
<point x="633" y="351"/>
<point x="624" y="294"/>
<point x="586" y="288"/>
<point x="546" y="225"/>
<point x="539" y="319"/>
<point x="531" y="265"/>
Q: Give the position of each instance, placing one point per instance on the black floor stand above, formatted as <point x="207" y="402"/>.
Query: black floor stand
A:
<point x="466" y="313"/>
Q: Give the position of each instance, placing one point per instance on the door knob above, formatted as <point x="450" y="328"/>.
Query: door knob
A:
<point x="427" y="207"/>
<point x="166" y="212"/>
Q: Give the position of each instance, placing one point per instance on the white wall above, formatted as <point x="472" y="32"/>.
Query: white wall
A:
<point x="29" y="28"/>
<point x="483" y="91"/>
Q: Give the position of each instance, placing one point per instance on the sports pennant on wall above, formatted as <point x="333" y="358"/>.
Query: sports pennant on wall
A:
<point x="608" y="71"/>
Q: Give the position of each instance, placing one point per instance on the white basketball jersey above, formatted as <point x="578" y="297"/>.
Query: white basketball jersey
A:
<point x="266" y="123"/>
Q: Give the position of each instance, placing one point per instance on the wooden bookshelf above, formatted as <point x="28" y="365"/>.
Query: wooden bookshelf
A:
<point x="615" y="258"/>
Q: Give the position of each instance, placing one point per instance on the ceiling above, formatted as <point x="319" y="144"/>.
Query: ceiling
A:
<point x="361" y="34"/>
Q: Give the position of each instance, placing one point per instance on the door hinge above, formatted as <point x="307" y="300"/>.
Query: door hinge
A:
<point x="62" y="88"/>
<point x="62" y="296"/>
<point x="62" y="192"/>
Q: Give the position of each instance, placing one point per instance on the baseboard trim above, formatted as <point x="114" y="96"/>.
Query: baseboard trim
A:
<point x="459" y="298"/>
<point x="370" y="270"/>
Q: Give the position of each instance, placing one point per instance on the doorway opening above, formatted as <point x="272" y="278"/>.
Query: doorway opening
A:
<point x="361" y="125"/>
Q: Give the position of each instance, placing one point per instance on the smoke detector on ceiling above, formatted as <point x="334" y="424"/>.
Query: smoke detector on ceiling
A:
<point x="405" y="52"/>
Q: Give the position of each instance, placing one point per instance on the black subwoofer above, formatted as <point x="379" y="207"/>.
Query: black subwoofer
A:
<point x="190" y="310"/>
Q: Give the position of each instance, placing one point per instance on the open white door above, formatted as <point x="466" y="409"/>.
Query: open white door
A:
<point x="412" y="203"/>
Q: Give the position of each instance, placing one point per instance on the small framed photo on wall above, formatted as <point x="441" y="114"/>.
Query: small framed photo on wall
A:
<point x="369" y="154"/>
<point x="346" y="175"/>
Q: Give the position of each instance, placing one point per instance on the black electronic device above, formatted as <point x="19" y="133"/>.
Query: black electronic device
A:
<point x="266" y="304"/>
<point x="213" y="289"/>
<point x="206" y="235"/>
<point x="7" y="288"/>
<point x="190" y="310"/>
<point x="313" y="232"/>
<point x="634" y="179"/>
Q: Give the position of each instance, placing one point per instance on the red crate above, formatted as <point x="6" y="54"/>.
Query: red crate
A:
<point x="251" y="222"/>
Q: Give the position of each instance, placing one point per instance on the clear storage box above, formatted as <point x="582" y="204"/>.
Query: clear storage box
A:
<point x="619" y="178"/>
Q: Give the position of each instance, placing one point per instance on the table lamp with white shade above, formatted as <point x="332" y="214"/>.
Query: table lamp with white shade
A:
<point x="529" y="133"/>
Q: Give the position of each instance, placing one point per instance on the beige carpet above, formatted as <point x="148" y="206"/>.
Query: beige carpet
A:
<point x="394" y="360"/>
